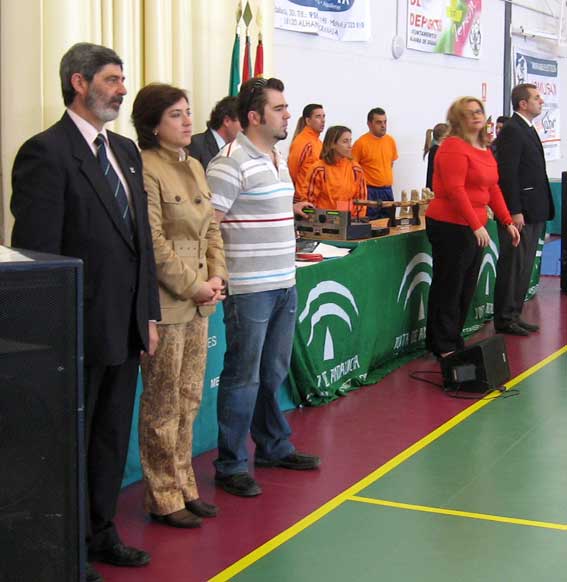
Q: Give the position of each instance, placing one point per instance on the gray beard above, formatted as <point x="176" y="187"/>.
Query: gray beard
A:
<point x="104" y="114"/>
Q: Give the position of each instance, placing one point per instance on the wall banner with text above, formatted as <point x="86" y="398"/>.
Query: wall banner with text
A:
<point x="543" y="72"/>
<point x="451" y="27"/>
<point x="346" y="20"/>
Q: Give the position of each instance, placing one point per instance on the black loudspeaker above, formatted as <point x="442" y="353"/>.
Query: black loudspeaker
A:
<point x="479" y="367"/>
<point x="41" y="418"/>
<point x="563" y="231"/>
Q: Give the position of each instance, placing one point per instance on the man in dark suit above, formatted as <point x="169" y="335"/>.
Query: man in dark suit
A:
<point x="78" y="191"/>
<point x="222" y="128"/>
<point x="524" y="183"/>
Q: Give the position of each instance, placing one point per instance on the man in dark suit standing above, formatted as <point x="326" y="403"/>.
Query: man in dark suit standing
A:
<point x="222" y="128"/>
<point x="78" y="191"/>
<point x="524" y="183"/>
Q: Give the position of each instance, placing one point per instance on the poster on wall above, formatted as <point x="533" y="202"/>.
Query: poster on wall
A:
<point x="346" y="20"/>
<point x="451" y="27"/>
<point x="543" y="72"/>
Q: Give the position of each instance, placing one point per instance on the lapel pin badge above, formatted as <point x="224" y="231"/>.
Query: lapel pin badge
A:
<point x="132" y="170"/>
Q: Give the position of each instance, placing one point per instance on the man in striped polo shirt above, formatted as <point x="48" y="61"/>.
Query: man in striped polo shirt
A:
<point x="253" y="199"/>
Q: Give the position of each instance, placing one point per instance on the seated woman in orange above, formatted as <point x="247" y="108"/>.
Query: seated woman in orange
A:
<point x="335" y="179"/>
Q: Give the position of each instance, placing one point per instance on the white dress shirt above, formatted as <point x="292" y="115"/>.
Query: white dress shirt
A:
<point x="90" y="133"/>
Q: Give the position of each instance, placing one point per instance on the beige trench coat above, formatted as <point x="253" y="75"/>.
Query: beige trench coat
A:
<point x="187" y="242"/>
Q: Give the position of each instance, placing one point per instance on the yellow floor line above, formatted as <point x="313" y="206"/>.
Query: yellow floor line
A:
<point x="536" y="367"/>
<point x="454" y="512"/>
<point x="322" y="511"/>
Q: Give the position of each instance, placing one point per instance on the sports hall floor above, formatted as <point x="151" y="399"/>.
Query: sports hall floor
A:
<point x="414" y="485"/>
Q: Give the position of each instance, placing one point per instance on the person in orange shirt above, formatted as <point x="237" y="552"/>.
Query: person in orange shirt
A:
<point x="306" y="147"/>
<point x="335" y="179"/>
<point x="376" y="152"/>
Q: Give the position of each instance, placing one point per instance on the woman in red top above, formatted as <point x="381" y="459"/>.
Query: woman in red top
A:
<point x="335" y="179"/>
<point x="465" y="182"/>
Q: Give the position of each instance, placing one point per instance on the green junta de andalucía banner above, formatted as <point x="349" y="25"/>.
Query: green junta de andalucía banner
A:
<point x="359" y="315"/>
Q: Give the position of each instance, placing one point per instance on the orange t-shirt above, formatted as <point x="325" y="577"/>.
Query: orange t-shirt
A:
<point x="333" y="186"/>
<point x="376" y="156"/>
<point x="304" y="151"/>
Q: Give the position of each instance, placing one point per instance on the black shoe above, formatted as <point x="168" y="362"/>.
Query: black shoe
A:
<point x="92" y="575"/>
<point x="240" y="484"/>
<point x="513" y="329"/>
<point x="181" y="518"/>
<point x="120" y="555"/>
<point x="528" y="326"/>
<point x="296" y="461"/>
<point x="202" y="508"/>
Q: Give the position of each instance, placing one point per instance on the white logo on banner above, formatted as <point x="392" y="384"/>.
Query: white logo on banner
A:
<point x="326" y="310"/>
<point x="539" y="251"/>
<point x="489" y="262"/>
<point x="413" y="276"/>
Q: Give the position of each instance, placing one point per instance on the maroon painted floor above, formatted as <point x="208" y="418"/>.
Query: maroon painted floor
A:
<point x="353" y="435"/>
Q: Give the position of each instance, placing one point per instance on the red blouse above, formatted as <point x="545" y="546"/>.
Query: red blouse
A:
<point x="465" y="181"/>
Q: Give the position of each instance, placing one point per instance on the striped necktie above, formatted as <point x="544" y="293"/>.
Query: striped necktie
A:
<point x="115" y="183"/>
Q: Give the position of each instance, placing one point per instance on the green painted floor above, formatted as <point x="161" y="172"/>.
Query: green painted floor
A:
<point x="366" y="543"/>
<point x="507" y="460"/>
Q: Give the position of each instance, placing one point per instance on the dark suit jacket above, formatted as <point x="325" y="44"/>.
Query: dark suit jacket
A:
<point x="203" y="147"/>
<point x="63" y="204"/>
<point x="523" y="177"/>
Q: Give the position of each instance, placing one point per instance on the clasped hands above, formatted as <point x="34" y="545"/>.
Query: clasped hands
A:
<point x="210" y="292"/>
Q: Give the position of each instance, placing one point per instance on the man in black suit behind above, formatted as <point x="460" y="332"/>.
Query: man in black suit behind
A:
<point x="524" y="183"/>
<point x="222" y="128"/>
<point x="78" y="194"/>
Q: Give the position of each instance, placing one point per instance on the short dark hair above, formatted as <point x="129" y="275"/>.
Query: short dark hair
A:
<point x="149" y="105"/>
<point x="502" y="119"/>
<point x="521" y="93"/>
<point x="309" y="109"/>
<point x="252" y="97"/>
<point x="373" y="112"/>
<point x="87" y="59"/>
<point x="305" y="114"/>
<point x="226" y="107"/>
<point x="332" y="136"/>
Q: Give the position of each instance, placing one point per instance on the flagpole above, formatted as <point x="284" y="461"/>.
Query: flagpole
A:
<point x="259" y="60"/>
<point x="246" y="63"/>
<point x="234" y="83"/>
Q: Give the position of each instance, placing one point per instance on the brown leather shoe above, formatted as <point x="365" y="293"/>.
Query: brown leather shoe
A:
<point x="181" y="518"/>
<point x="202" y="508"/>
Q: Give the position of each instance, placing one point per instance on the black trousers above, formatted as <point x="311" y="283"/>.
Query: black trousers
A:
<point x="456" y="265"/>
<point x="513" y="272"/>
<point x="109" y="395"/>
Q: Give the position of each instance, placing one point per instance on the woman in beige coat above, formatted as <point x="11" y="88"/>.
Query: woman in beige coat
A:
<point x="191" y="273"/>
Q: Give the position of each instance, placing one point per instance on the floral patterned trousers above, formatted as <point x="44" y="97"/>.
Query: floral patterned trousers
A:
<point x="173" y="387"/>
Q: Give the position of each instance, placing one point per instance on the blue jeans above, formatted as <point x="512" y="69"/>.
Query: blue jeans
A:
<point x="378" y="193"/>
<point x="259" y="338"/>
